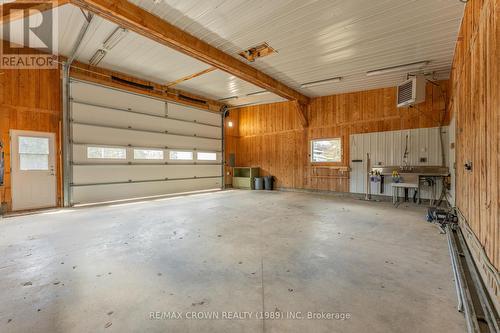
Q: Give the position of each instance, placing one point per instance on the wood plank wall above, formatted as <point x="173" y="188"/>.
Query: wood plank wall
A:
<point x="475" y="100"/>
<point x="270" y="136"/>
<point x="29" y="100"/>
<point x="231" y="140"/>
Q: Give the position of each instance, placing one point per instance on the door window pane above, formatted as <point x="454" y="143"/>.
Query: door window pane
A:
<point x="148" y="154"/>
<point x="326" y="150"/>
<point x="107" y="153"/>
<point x="33" y="145"/>
<point x="29" y="162"/>
<point x="206" y="156"/>
<point x="33" y="153"/>
<point x="181" y="155"/>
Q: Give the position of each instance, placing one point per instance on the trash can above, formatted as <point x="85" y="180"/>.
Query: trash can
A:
<point x="259" y="183"/>
<point x="268" y="182"/>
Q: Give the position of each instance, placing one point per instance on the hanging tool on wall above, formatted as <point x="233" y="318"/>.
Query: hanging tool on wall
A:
<point x="405" y="155"/>
<point x="368" y="194"/>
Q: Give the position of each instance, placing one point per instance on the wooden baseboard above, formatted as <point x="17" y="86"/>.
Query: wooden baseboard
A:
<point x="489" y="274"/>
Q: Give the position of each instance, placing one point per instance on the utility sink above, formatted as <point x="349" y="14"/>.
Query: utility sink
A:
<point x="413" y="169"/>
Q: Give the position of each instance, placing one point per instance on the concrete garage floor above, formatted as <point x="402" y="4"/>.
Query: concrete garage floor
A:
<point x="105" y="269"/>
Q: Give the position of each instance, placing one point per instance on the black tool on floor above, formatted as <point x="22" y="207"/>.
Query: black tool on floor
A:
<point x="441" y="217"/>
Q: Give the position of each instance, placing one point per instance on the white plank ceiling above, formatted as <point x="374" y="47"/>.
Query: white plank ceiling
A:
<point x="315" y="40"/>
<point x="321" y="39"/>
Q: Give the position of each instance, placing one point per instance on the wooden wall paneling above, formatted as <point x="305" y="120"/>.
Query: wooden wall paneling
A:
<point x="231" y="138"/>
<point x="29" y="100"/>
<point x="475" y="93"/>
<point x="493" y="55"/>
<point x="271" y="135"/>
<point x="475" y="96"/>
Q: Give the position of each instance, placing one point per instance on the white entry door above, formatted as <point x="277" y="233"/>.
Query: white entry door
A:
<point x="33" y="170"/>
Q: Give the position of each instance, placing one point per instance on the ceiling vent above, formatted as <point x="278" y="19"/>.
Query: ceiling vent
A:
<point x="411" y="92"/>
<point x="191" y="99"/>
<point x="258" y="51"/>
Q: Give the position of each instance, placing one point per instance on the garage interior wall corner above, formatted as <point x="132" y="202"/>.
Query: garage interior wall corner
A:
<point x="27" y="104"/>
<point x="475" y="100"/>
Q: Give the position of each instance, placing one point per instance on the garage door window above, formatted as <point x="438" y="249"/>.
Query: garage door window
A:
<point x="181" y="155"/>
<point x="33" y="153"/>
<point x="206" y="156"/>
<point x="326" y="150"/>
<point x="148" y="154"/>
<point x="107" y="153"/>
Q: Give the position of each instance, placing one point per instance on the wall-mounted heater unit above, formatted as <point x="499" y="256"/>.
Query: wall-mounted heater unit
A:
<point x="412" y="91"/>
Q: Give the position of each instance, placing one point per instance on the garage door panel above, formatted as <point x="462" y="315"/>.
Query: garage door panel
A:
<point x="184" y="112"/>
<point x="108" y="118"/>
<point x="91" y="174"/>
<point x="80" y="156"/>
<point x="90" y="114"/>
<point x="95" y="94"/>
<point x="100" y="193"/>
<point x="83" y="133"/>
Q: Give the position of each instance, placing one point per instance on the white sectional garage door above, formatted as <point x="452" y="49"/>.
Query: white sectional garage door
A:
<point x="126" y="145"/>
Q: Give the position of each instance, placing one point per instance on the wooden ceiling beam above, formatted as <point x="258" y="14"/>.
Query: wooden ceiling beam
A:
<point x="40" y="5"/>
<point x="301" y="110"/>
<point x="132" y="17"/>
<point x="192" y="76"/>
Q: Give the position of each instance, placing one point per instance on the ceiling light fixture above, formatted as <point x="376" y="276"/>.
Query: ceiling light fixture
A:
<point x="321" y="82"/>
<point x="97" y="57"/>
<point x="228" y="98"/>
<point x="259" y="93"/>
<point x="398" y="68"/>
<point x="114" y="38"/>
